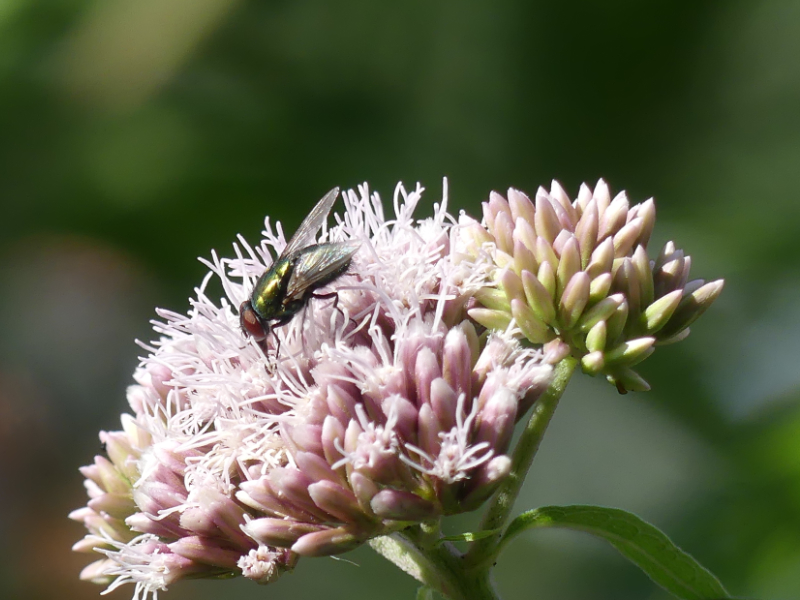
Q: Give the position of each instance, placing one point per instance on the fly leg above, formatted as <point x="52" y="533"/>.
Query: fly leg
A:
<point x="279" y="323"/>
<point x="335" y="296"/>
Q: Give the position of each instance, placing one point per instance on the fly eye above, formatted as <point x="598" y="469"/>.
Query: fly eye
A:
<point x="251" y="323"/>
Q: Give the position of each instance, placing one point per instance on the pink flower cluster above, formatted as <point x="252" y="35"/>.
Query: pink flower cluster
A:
<point x="392" y="408"/>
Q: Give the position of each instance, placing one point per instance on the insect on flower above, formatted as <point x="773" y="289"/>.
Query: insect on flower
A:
<point x="292" y="280"/>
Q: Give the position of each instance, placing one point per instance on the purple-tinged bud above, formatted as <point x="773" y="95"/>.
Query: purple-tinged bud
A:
<point x="164" y="528"/>
<point x="315" y="467"/>
<point x="523" y="258"/>
<point x="602" y="194"/>
<point x="364" y="489"/>
<point x="555" y="351"/>
<point x="525" y="234"/>
<point x="88" y="544"/>
<point x="121" y="453"/>
<point x="644" y="274"/>
<point x="109" y="478"/>
<point x="351" y="436"/>
<point x="504" y="260"/>
<point x="426" y="369"/>
<point x="613" y="217"/>
<point x="443" y="402"/>
<point x="477" y="235"/>
<point x="303" y="436"/>
<point x="512" y="285"/>
<point x="561" y="241"/>
<point x="497" y="419"/>
<point x="405" y="414"/>
<point x="602" y="259"/>
<point x="457" y="360"/>
<point x="616" y="322"/>
<point x="630" y="352"/>
<point x="584" y="196"/>
<point x="586" y="233"/>
<point x="547" y="277"/>
<point x="569" y="264"/>
<point x="92" y="472"/>
<point x="491" y="319"/>
<point x="546" y="219"/>
<point x="492" y="298"/>
<point x="538" y="298"/>
<point x="279" y="533"/>
<point x="532" y="328"/>
<point x="659" y="312"/>
<point x="260" y="496"/>
<point x="292" y="486"/>
<point x="498" y="204"/>
<point x="401" y="506"/>
<point x="114" y="505"/>
<point x="626" y="281"/>
<point x="96" y="572"/>
<point x="493" y="207"/>
<point x="504" y="232"/>
<point x="341" y="403"/>
<point x="647" y="212"/>
<point x="599" y="312"/>
<point x="170" y="456"/>
<point x="597" y="337"/>
<point x="428" y="430"/>
<point x="626" y="237"/>
<point x="600" y="287"/>
<point x="593" y="362"/>
<point x="327" y="542"/>
<point x="691" y="307"/>
<point x="215" y="514"/>
<point x="544" y="253"/>
<point x="337" y="501"/>
<point x="670" y="275"/>
<point x="205" y="551"/>
<point x="558" y="194"/>
<point x="153" y="496"/>
<point x="485" y="481"/>
<point x="574" y="299"/>
<point x="521" y="206"/>
<point x="332" y="430"/>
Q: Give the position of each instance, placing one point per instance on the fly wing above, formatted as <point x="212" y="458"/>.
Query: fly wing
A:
<point x="319" y="266"/>
<point x="307" y="232"/>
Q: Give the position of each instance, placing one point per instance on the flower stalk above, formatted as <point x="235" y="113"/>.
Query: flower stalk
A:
<point x="438" y="565"/>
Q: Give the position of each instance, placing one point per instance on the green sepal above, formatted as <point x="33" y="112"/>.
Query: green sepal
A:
<point x="493" y="298"/>
<point x="491" y="319"/>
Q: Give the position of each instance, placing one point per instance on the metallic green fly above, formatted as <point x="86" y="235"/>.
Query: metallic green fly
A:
<point x="292" y="280"/>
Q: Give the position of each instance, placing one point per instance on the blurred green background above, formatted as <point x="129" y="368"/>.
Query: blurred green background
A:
<point x="136" y="135"/>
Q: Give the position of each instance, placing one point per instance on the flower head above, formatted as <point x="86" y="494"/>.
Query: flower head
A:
<point x="579" y="271"/>
<point x="384" y="408"/>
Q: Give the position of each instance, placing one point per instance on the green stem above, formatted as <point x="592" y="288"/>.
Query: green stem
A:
<point x="437" y="565"/>
<point x="483" y="552"/>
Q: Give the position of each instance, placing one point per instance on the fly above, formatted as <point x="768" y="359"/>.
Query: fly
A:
<point x="292" y="280"/>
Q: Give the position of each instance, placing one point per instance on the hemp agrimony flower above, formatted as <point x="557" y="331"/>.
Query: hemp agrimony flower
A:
<point x="579" y="271"/>
<point x="391" y="408"/>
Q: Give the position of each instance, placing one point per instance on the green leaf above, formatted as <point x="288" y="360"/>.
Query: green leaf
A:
<point x="638" y="541"/>
<point x="469" y="536"/>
